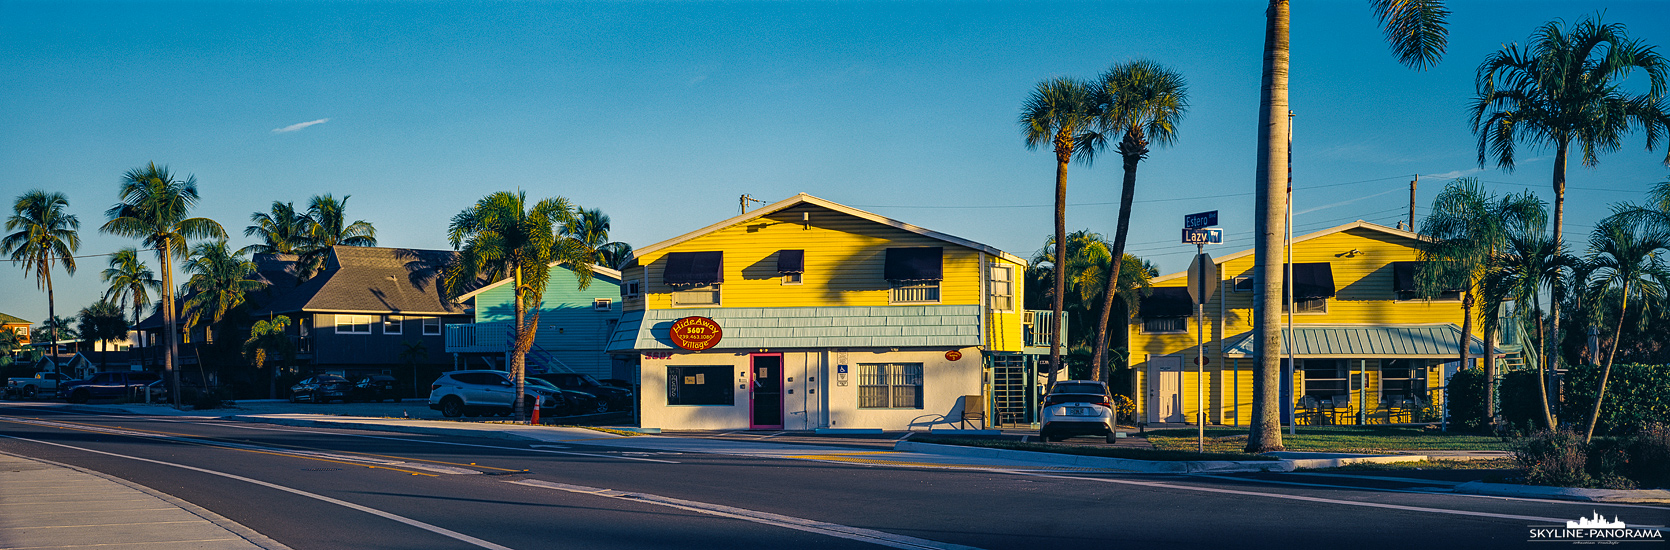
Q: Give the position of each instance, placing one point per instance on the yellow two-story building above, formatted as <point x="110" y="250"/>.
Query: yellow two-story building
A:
<point x="1365" y="348"/>
<point x="808" y="314"/>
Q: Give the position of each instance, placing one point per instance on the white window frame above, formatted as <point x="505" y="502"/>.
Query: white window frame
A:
<point x="896" y="288"/>
<point x="892" y="377"/>
<point x="393" y="321"/>
<point x="431" y="322"/>
<point x="353" y="322"/>
<point x="1235" y="285"/>
<point x="1300" y="305"/>
<point x="691" y="291"/>
<point x="1007" y="280"/>
<point x="602" y="304"/>
<point x="632" y="289"/>
<point x="791" y="279"/>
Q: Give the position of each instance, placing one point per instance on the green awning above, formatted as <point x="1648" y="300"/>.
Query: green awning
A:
<point x="1364" y="341"/>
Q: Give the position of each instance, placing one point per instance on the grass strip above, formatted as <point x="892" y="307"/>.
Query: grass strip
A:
<point x="1110" y="452"/>
<point x="1338" y="439"/>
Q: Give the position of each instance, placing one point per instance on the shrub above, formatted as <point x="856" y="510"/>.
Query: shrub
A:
<point x="1554" y="457"/>
<point x="1466" y="395"/>
<point x="1636" y="396"/>
<point x="1520" y="406"/>
<point x="1648" y="453"/>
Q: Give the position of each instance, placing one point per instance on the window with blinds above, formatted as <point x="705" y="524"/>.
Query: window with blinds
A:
<point x="914" y="292"/>
<point x="1003" y="288"/>
<point x="890" y="385"/>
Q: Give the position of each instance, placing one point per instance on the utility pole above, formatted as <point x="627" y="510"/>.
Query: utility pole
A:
<point x="744" y="202"/>
<point x="1412" y="184"/>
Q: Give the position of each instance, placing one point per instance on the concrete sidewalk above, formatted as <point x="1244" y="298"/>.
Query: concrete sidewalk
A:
<point x="50" y="505"/>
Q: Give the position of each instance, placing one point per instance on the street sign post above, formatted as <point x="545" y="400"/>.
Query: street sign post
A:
<point x="1203" y="236"/>
<point x="1200" y="219"/>
<point x="1203" y="280"/>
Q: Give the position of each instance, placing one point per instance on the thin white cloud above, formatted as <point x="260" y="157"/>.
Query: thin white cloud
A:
<point x="299" y="125"/>
<point x="1343" y="203"/>
<point x="1452" y="174"/>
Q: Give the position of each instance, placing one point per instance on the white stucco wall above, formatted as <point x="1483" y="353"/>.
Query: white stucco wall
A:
<point x="813" y="397"/>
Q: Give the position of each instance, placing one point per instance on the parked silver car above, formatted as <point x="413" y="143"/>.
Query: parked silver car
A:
<point x="485" y="392"/>
<point x="1077" y="407"/>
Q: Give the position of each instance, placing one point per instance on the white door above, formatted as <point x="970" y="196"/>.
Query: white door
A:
<point x="1165" y="395"/>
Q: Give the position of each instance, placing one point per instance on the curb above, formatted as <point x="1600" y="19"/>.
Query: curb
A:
<point x="1147" y="466"/>
<point x="1638" y="496"/>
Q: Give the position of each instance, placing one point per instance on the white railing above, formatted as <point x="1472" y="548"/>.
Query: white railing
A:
<point x="478" y="338"/>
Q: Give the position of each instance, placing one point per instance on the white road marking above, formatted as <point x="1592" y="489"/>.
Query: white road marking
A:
<point x="549" y="446"/>
<point x="356" y="459"/>
<point x="1428" y="491"/>
<point x="767" y="518"/>
<point x="434" y="442"/>
<point x="367" y="509"/>
<point x="1161" y="485"/>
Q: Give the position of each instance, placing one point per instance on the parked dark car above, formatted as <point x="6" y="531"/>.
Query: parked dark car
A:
<point x="376" y="387"/>
<point x="613" y="398"/>
<point x="618" y="383"/>
<point x="323" y="388"/>
<point x="107" y="385"/>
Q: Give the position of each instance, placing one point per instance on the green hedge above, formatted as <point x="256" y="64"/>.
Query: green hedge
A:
<point x="1466" y="395"/>
<point x="1636" y="396"/>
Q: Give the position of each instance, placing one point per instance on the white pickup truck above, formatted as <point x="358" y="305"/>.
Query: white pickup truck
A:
<point x="45" y="383"/>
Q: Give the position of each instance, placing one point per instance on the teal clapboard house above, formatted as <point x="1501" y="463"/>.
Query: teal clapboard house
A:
<point x="574" y="325"/>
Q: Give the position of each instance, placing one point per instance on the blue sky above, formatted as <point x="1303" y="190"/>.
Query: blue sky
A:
<point x="662" y="114"/>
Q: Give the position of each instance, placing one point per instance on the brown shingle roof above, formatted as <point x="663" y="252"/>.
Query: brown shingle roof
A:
<point x="370" y="280"/>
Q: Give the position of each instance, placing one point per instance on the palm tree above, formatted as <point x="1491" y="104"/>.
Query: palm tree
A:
<point x="413" y="352"/>
<point x="1528" y="263"/>
<point x="266" y="339"/>
<point x="43" y="235"/>
<point x="1564" y="90"/>
<point x="1625" y="252"/>
<point x="1467" y="229"/>
<point x="328" y="227"/>
<point x="590" y="227"/>
<point x="9" y="344"/>
<point x="129" y="277"/>
<point x="154" y="208"/>
<point x="501" y="237"/>
<point x="220" y="280"/>
<point x="1060" y="113"/>
<point x="282" y="231"/>
<point x="102" y="322"/>
<point x="1416" y="33"/>
<point x="1144" y="101"/>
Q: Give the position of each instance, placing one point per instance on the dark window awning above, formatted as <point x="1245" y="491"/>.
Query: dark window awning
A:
<point x="791" y="261"/>
<point x="1313" y="280"/>
<point x="694" y="268"/>
<point x="1167" y="302"/>
<point x="915" y="264"/>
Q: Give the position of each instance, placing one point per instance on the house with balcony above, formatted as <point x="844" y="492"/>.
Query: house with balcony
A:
<point x="1365" y="347"/>
<point x="809" y="314"/>
<point x="574" y="326"/>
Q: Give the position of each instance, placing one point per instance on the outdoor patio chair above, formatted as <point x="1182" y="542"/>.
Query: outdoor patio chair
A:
<point x="1341" y="408"/>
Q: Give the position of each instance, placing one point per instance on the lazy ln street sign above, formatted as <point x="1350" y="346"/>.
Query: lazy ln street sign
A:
<point x="1203" y="236"/>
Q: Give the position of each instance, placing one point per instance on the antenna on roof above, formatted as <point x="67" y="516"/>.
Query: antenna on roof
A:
<point x="748" y="199"/>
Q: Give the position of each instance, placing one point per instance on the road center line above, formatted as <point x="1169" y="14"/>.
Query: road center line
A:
<point x="367" y="509"/>
<point x="800" y="524"/>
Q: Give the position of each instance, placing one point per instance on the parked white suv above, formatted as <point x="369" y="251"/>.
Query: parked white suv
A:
<point x="484" y="392"/>
<point x="1077" y="407"/>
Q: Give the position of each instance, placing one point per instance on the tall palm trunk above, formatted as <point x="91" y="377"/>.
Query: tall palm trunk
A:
<point x="1542" y="367"/>
<point x="1606" y="371"/>
<point x="1271" y="181"/>
<point x="51" y="321"/>
<point x="1063" y="154"/>
<point x="168" y="336"/>
<point x="1466" y="344"/>
<point x="1132" y="149"/>
<point x="1551" y="358"/>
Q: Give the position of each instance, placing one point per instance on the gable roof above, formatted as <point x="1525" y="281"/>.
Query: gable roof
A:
<point x="1359" y="224"/>
<point x="803" y="198"/>
<point x="366" y="279"/>
<point x="595" y="269"/>
<point x="10" y="320"/>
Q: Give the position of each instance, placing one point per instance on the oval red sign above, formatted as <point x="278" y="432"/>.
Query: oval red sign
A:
<point x="953" y="355"/>
<point x="695" y="333"/>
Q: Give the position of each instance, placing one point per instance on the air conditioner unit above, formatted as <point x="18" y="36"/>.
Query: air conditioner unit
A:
<point x="1027" y="317"/>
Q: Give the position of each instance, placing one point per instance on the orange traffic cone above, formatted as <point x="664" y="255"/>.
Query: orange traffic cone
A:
<point x="536" y="402"/>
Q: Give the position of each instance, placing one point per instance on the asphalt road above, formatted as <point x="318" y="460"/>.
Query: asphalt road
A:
<point x="314" y="488"/>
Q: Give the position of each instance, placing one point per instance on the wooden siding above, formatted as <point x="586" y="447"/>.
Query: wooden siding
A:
<point x="569" y="329"/>
<point x="1364" y="295"/>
